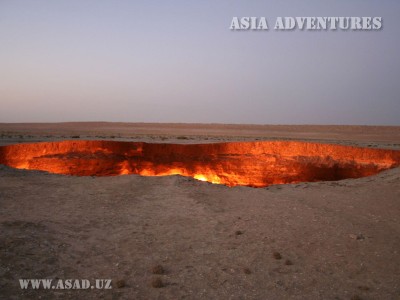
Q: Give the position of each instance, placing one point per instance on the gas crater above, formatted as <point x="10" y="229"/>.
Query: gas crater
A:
<point x="254" y="164"/>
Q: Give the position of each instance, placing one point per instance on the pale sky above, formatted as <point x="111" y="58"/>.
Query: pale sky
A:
<point x="178" y="61"/>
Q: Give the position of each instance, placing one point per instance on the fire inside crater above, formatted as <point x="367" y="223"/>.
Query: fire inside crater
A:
<point x="255" y="164"/>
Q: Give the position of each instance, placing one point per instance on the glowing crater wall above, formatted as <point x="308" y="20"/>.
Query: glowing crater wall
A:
<point x="256" y="164"/>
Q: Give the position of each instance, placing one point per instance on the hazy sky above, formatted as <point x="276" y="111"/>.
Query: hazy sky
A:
<point x="178" y="61"/>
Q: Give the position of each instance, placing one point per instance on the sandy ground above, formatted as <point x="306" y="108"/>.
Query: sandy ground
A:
<point x="368" y="136"/>
<point x="336" y="240"/>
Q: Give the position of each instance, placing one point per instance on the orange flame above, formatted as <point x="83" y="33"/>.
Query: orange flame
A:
<point x="255" y="164"/>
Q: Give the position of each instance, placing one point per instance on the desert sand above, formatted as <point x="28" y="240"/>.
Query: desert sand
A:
<point x="321" y="240"/>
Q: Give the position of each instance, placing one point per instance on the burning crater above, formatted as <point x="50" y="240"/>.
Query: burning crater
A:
<point x="255" y="164"/>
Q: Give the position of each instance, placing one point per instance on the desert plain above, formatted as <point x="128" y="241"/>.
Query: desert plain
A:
<point x="174" y="237"/>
